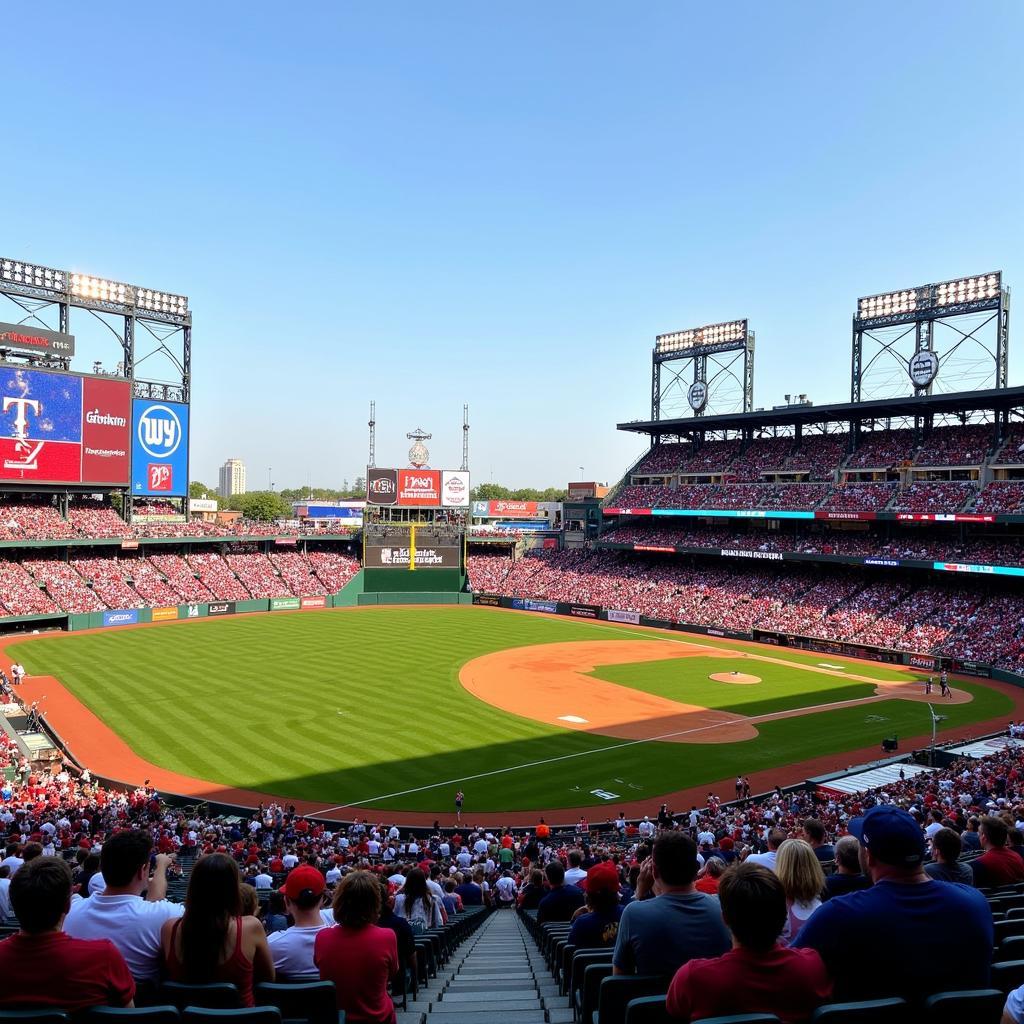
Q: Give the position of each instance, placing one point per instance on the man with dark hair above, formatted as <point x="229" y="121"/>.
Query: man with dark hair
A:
<point x="562" y="900"/>
<point x="658" y="935"/>
<point x="908" y="935"/>
<point x="119" y="912"/>
<point x="757" y="975"/>
<point x="848" y="876"/>
<point x="814" y="833"/>
<point x="998" y="865"/>
<point x="969" y="837"/>
<point x="41" y="965"/>
<point x="946" y="848"/>
<point x="292" y="948"/>
<point x="574" y="873"/>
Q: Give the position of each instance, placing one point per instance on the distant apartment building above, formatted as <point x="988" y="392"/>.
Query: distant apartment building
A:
<point x="232" y="478"/>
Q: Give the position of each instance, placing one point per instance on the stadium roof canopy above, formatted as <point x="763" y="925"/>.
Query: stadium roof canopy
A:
<point x="995" y="400"/>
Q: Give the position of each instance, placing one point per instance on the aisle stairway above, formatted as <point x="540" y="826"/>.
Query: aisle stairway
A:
<point x="499" y="974"/>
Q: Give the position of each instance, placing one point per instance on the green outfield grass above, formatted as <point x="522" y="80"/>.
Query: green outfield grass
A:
<point x="366" y="706"/>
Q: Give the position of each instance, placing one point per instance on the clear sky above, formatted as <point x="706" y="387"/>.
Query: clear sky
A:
<point x="431" y="204"/>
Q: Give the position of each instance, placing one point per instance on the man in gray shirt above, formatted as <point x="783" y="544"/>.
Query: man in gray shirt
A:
<point x="660" y="933"/>
<point x="946" y="847"/>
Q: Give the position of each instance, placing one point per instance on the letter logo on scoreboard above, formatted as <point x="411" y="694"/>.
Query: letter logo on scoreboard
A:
<point x="159" y="448"/>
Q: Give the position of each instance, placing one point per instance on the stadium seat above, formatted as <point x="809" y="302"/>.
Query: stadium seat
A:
<point x="740" y="1018"/>
<point x="312" y="1001"/>
<point x="134" y="1015"/>
<point x="617" y="992"/>
<point x="242" y="1015"/>
<point x="979" y="1006"/>
<point x="868" y="1011"/>
<point x="587" y="995"/>
<point x="1007" y="929"/>
<point x="1008" y="975"/>
<point x="1010" y="949"/>
<point x="221" y="995"/>
<point x="648" y="1010"/>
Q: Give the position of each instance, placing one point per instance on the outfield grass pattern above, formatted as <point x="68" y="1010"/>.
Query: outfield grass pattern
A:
<point x="347" y="707"/>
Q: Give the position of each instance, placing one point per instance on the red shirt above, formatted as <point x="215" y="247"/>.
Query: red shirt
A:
<point x="359" y="962"/>
<point x="786" y="982"/>
<point x="53" y="969"/>
<point x="999" y="865"/>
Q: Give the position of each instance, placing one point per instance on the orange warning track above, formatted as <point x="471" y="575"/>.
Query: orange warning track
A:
<point x="97" y="746"/>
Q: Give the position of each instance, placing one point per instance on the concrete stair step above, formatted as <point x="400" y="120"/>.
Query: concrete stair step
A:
<point x="510" y="1017"/>
<point x="490" y="996"/>
<point x="507" y="1005"/>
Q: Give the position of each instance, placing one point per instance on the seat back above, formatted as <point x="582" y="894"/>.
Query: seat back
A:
<point x="1010" y="927"/>
<point x="239" y="1015"/>
<point x="741" y="1018"/>
<point x="134" y="1015"/>
<point x="581" y="960"/>
<point x="1011" y="948"/>
<point x="648" y="1010"/>
<point x="219" y="995"/>
<point x="313" y="1001"/>
<point x="618" y="991"/>
<point x="40" y="1016"/>
<point x="590" y="990"/>
<point x="868" y="1011"/>
<point x="979" y="1006"/>
<point x="1008" y="975"/>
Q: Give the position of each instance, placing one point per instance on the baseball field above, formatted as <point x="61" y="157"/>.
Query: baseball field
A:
<point x="397" y="708"/>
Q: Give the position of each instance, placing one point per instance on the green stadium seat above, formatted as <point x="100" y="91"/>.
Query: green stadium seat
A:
<point x="221" y="995"/>
<point x="980" y="1006"/>
<point x="1008" y="975"/>
<point x="868" y="1011"/>
<point x="314" y="1002"/>
<point x="134" y="1015"/>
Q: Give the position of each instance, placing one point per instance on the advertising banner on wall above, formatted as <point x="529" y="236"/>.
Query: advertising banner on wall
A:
<point x="513" y="509"/>
<point x="419" y="487"/>
<point x="128" y="617"/>
<point x="164" y="614"/>
<point x="633" y="618"/>
<point x="481" y="509"/>
<point x="159" y="448"/>
<point x="63" y="428"/>
<point x="284" y="604"/>
<point x="428" y="556"/>
<point x="490" y="600"/>
<point x="454" y="488"/>
<point x="584" y="611"/>
<point x="221" y="608"/>
<point x="316" y="601"/>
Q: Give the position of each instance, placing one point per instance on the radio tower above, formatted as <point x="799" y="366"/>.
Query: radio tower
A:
<point x="372" y="461"/>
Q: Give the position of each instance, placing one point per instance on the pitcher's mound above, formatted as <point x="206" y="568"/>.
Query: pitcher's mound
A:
<point x="734" y="677"/>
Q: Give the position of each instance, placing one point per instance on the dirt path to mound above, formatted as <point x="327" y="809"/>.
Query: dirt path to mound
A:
<point x="550" y="683"/>
<point x="96" y="745"/>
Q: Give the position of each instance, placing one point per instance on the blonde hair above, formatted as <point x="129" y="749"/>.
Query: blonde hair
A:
<point x="799" y="871"/>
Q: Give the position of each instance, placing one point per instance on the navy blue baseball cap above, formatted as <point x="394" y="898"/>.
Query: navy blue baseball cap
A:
<point x="891" y="835"/>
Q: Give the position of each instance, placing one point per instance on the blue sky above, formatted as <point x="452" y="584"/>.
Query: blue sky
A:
<point x="432" y="204"/>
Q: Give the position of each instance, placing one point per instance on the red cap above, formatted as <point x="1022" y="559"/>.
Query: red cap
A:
<point x="302" y="878"/>
<point x="600" y="877"/>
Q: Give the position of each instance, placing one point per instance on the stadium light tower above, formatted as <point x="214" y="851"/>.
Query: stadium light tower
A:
<point x="949" y="336"/>
<point x="703" y="370"/>
<point x="45" y="297"/>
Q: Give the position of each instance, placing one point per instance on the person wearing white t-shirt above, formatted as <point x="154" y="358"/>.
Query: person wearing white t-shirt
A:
<point x="334" y="875"/>
<point x="263" y="879"/>
<point x="464" y="858"/>
<point x="480" y="846"/>
<point x="292" y="949"/>
<point x="6" y="911"/>
<point x="574" y="874"/>
<point x="12" y="860"/>
<point x="776" y="837"/>
<point x="119" y="912"/>
<point x="289" y="860"/>
<point x="373" y="846"/>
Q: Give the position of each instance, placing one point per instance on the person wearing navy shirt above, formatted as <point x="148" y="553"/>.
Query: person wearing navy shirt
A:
<point x="908" y="935"/>
<point x="600" y="925"/>
<point x="563" y="900"/>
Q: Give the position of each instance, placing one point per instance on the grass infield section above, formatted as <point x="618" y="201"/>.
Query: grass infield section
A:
<point x="365" y="707"/>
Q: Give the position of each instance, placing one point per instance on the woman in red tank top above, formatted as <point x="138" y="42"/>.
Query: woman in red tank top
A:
<point x="213" y="941"/>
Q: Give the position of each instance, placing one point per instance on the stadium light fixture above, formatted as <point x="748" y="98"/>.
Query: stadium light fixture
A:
<point x="981" y="288"/>
<point x="33" y="276"/>
<point x="732" y="331"/>
<point x="98" y="288"/>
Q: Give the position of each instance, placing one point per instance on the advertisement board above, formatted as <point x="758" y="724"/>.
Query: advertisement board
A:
<point x="284" y="604"/>
<point x="614" y="615"/>
<point x="127" y="617"/>
<point x="481" y="509"/>
<point x="63" y="428"/>
<point x="221" y="608"/>
<point x="164" y="614"/>
<point x="202" y="505"/>
<point x="584" y="611"/>
<point x="454" y="488"/>
<point x="399" y="556"/>
<point x="490" y="600"/>
<point x="381" y="486"/>
<point x="27" y="338"/>
<point x="513" y="509"/>
<point x="540" y="606"/>
<point x="159" y="448"/>
<point x="317" y="601"/>
<point x="420" y="488"/>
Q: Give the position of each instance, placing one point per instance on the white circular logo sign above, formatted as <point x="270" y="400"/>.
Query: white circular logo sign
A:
<point x="923" y="368"/>
<point x="697" y="396"/>
<point x="159" y="431"/>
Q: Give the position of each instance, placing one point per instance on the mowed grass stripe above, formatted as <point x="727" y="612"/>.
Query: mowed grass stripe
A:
<point x="253" y="702"/>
